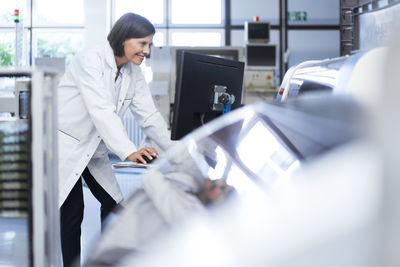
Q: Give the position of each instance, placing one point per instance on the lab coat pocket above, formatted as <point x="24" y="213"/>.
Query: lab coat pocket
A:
<point x="124" y="107"/>
<point x="67" y="144"/>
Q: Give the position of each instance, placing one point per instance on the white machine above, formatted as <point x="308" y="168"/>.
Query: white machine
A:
<point x="29" y="219"/>
<point x="260" y="58"/>
<point x="342" y="75"/>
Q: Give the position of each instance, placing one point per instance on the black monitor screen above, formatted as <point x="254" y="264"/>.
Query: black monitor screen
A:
<point x="258" y="31"/>
<point x="261" y="55"/>
<point x="196" y="79"/>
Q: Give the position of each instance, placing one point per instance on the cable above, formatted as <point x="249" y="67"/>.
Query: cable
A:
<point x="202" y="115"/>
<point x="287" y="85"/>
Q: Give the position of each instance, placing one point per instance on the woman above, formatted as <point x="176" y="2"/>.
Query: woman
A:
<point x="93" y="95"/>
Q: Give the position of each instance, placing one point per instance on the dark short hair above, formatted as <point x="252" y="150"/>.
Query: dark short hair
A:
<point x="128" y="26"/>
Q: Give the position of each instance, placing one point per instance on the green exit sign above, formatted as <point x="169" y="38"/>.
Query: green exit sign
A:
<point x="297" y="16"/>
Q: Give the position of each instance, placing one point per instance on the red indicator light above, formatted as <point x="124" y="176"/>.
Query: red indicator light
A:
<point x="281" y="91"/>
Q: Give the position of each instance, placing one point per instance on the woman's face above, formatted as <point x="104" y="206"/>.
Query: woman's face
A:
<point x="136" y="49"/>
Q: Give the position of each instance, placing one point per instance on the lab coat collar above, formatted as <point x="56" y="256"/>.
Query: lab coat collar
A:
<point x="124" y="86"/>
<point x="125" y="70"/>
<point x="110" y="58"/>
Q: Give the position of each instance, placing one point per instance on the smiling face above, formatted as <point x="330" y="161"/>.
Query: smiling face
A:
<point x="135" y="49"/>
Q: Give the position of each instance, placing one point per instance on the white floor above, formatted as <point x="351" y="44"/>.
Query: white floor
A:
<point x="128" y="180"/>
<point x="14" y="249"/>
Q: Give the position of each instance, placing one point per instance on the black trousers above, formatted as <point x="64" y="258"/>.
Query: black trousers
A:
<point x="71" y="216"/>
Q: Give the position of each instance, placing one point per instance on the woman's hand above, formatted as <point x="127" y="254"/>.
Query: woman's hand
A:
<point x="149" y="152"/>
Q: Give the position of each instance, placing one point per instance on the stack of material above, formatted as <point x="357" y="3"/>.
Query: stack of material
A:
<point x="14" y="168"/>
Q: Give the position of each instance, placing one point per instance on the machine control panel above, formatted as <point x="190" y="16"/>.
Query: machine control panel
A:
<point x="259" y="81"/>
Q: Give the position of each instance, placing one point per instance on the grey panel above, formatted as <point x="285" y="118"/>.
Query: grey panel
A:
<point x="324" y="12"/>
<point x="376" y="28"/>
<point x="267" y="10"/>
<point x="311" y="44"/>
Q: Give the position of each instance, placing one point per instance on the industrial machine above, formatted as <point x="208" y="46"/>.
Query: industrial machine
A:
<point x="341" y="75"/>
<point x="260" y="58"/>
<point x="316" y="76"/>
<point x="260" y="68"/>
<point x="29" y="234"/>
<point x="232" y="161"/>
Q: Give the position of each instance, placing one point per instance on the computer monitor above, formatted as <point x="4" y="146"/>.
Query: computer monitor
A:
<point x="261" y="56"/>
<point x="228" y="52"/>
<point x="197" y="79"/>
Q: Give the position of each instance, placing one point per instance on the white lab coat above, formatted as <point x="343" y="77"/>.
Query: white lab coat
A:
<point x="89" y="121"/>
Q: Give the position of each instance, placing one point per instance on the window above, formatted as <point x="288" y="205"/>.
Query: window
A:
<point x="6" y="13"/>
<point x="159" y="38"/>
<point x="153" y="10"/>
<point x="180" y="22"/>
<point x="207" y="12"/>
<point x="7" y="47"/>
<point x="7" y="31"/>
<point x="58" y="12"/>
<point x="57" y="28"/>
<point x="52" y="42"/>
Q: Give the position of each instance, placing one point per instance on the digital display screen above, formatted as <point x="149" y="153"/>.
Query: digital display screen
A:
<point x="261" y="55"/>
<point x="258" y="31"/>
